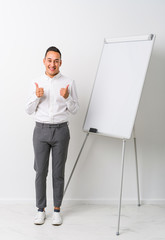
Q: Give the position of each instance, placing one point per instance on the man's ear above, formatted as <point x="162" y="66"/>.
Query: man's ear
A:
<point x="60" y="63"/>
<point x="44" y="61"/>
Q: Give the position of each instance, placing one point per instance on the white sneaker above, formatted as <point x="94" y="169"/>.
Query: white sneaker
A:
<point x="40" y="218"/>
<point x="57" y="219"/>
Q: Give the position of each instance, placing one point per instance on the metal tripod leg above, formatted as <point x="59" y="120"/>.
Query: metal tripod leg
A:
<point x="121" y="186"/>
<point x="76" y="163"/>
<point x="137" y="176"/>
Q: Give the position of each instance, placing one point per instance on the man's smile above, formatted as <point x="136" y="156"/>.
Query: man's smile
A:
<point x="52" y="69"/>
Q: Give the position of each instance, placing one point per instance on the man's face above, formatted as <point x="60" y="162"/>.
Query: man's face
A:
<point x="52" y="63"/>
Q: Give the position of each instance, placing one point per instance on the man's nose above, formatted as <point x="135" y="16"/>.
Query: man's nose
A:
<point x="52" y="64"/>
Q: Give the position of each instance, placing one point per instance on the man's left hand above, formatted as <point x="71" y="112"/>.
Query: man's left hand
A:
<point x="64" y="92"/>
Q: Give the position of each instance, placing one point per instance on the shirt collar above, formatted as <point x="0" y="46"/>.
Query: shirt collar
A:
<point x="57" y="76"/>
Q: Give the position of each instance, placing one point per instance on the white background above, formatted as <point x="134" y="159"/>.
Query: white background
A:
<point x="78" y="29"/>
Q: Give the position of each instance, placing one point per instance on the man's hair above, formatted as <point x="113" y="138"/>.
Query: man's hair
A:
<point x="54" y="49"/>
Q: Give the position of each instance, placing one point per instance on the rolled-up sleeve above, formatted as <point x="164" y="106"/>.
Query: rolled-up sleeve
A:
<point x="72" y="100"/>
<point x="32" y="101"/>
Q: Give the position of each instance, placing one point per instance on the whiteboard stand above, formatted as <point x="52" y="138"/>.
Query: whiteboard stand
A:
<point x="118" y="86"/>
<point x="122" y="174"/>
<point x="121" y="185"/>
<point x="137" y="174"/>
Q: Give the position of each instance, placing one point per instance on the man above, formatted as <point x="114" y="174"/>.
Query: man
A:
<point x="53" y="98"/>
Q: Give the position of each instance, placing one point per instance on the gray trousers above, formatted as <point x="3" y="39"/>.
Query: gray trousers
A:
<point x="48" y="137"/>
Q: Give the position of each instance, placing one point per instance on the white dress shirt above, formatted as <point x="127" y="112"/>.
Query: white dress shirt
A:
<point x="52" y="107"/>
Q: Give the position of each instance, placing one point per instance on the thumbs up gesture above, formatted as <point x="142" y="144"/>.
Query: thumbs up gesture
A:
<point x="64" y="92"/>
<point x="39" y="91"/>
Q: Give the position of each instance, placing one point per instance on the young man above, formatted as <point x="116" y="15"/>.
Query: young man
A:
<point x="53" y="98"/>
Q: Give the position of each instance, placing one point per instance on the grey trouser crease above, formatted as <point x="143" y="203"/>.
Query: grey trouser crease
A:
<point x="48" y="137"/>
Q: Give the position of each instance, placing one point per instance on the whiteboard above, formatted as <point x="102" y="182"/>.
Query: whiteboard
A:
<point x="118" y="86"/>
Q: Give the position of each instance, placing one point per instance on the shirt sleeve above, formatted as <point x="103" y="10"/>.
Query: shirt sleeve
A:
<point x="32" y="101"/>
<point x="72" y="100"/>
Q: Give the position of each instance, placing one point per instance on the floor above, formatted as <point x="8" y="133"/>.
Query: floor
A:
<point x="83" y="222"/>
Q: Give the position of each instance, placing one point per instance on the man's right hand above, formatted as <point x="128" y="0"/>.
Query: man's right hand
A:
<point x="39" y="91"/>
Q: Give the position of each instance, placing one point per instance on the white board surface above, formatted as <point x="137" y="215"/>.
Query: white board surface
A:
<point x="118" y="86"/>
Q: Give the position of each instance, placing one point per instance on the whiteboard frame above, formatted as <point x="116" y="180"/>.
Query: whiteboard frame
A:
<point x="148" y="37"/>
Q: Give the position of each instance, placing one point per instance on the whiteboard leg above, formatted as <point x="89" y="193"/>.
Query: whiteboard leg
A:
<point x="121" y="186"/>
<point x="137" y="176"/>
<point x="76" y="163"/>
